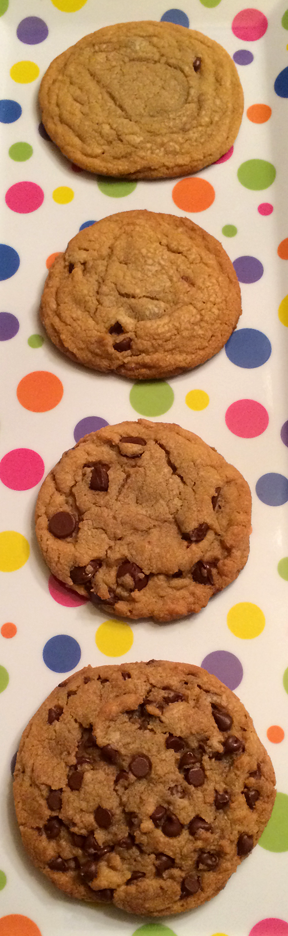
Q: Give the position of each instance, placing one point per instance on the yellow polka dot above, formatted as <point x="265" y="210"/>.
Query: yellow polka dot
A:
<point x="24" y="72"/>
<point x="246" y="620"/>
<point x="14" y="551"/>
<point x="69" y="6"/>
<point x="197" y="399"/>
<point x="114" y="638"/>
<point x="283" y="311"/>
<point x="63" y="194"/>
<point x="219" y="934"/>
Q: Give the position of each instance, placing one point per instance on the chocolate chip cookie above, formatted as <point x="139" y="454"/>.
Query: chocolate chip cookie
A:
<point x="142" y="785"/>
<point x="142" y="294"/>
<point x="145" y="518"/>
<point x="142" y="100"/>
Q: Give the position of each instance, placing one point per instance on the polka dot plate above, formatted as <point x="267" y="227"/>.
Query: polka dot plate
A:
<point x="236" y="402"/>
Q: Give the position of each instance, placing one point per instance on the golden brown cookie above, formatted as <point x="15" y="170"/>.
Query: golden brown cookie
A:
<point x="142" y="785"/>
<point x="145" y="518"/>
<point x="142" y="294"/>
<point x="142" y="100"/>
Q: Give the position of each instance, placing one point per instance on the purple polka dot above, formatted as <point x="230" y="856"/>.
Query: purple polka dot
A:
<point x="284" y="432"/>
<point x="9" y="326"/>
<point x="272" y="489"/>
<point x="225" y="666"/>
<point x="248" y="269"/>
<point x="243" y="57"/>
<point x="32" y="30"/>
<point x="88" y="424"/>
<point x="13" y="762"/>
<point x="43" y="133"/>
<point x="61" y="653"/>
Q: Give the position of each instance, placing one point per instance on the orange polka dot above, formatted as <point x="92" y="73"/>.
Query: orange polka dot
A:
<point x="283" y="249"/>
<point x="275" y="734"/>
<point x="51" y="259"/>
<point x="8" y="629"/>
<point x="193" y="194"/>
<point x="40" y="391"/>
<point x="17" y="925"/>
<point x="259" y="113"/>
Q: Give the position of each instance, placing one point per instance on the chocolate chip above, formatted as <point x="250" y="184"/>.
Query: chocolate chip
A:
<point x="122" y="775"/>
<point x="208" y="860"/>
<point x="82" y="574"/>
<point x="125" y="675"/>
<point x="233" y="745"/>
<point x="251" y="796"/>
<point x="171" y="826"/>
<point x="134" y="440"/>
<point x="198" y="534"/>
<point x="52" y="827"/>
<point x="63" y="683"/>
<point x="134" y="821"/>
<point x="91" y="847"/>
<point x="109" y="754"/>
<point x="70" y="267"/>
<point x="116" y="329"/>
<point x="96" y="600"/>
<point x="99" y="480"/>
<point x="138" y="577"/>
<point x="175" y="744"/>
<point x="123" y="345"/>
<point x="198" y="824"/>
<point x="256" y="774"/>
<point x="78" y="840"/>
<point x="195" y="776"/>
<point x="190" y="885"/>
<point x="202" y="574"/>
<point x="89" y="871"/>
<point x="221" y="800"/>
<point x="58" y="864"/>
<point x="62" y="524"/>
<point x="215" y="498"/>
<point x="54" y="800"/>
<point x="103" y="817"/>
<point x="106" y="895"/>
<point x="188" y="759"/>
<point x="174" y="697"/>
<point x="158" y="815"/>
<point x="163" y="863"/>
<point x="54" y="714"/>
<point x="136" y="876"/>
<point x="177" y="790"/>
<point x="197" y="64"/>
<point x="86" y="680"/>
<point x="140" y="766"/>
<point x="244" y="844"/>
<point x="222" y="718"/>
<point x="126" y="842"/>
<point x="73" y="864"/>
<point x="75" y="780"/>
<point x="178" y="574"/>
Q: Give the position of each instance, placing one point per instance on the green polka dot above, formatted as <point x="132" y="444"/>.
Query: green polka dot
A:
<point x="282" y="568"/>
<point x="275" y="836"/>
<point x="151" y="397"/>
<point x="154" y="929"/>
<point x="4" y="678"/>
<point x="210" y="3"/>
<point x="284" y="20"/>
<point x="3" y="6"/>
<point x="35" y="341"/>
<point x="116" y="188"/>
<point x="285" y="680"/>
<point x="256" y="174"/>
<point x="3" y="878"/>
<point x="229" y="230"/>
<point x="20" y="151"/>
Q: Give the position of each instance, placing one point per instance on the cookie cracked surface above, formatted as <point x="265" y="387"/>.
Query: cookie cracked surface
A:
<point x="142" y="785"/>
<point x="145" y="518"/>
<point x="142" y="100"/>
<point x="141" y="294"/>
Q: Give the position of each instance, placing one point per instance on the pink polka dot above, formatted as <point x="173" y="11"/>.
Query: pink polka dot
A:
<point x="246" y="418"/>
<point x="249" y="24"/>
<point x="265" y="208"/>
<point x="226" y="156"/>
<point x="270" y="927"/>
<point x="64" y="595"/>
<point x="21" y="469"/>
<point x="24" y="197"/>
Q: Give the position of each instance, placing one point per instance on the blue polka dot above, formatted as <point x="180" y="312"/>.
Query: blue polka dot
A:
<point x="13" y="762"/>
<point x="88" y="424"/>
<point x="9" y="326"/>
<point x="9" y="261"/>
<point x="61" y="653"/>
<point x="248" y="347"/>
<point x="243" y="57"/>
<point x="9" y="111"/>
<point x="272" y="489"/>
<point x="175" y="16"/>
<point x="86" y="224"/>
<point x="43" y="132"/>
<point x="281" y="83"/>
<point x="226" y="666"/>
